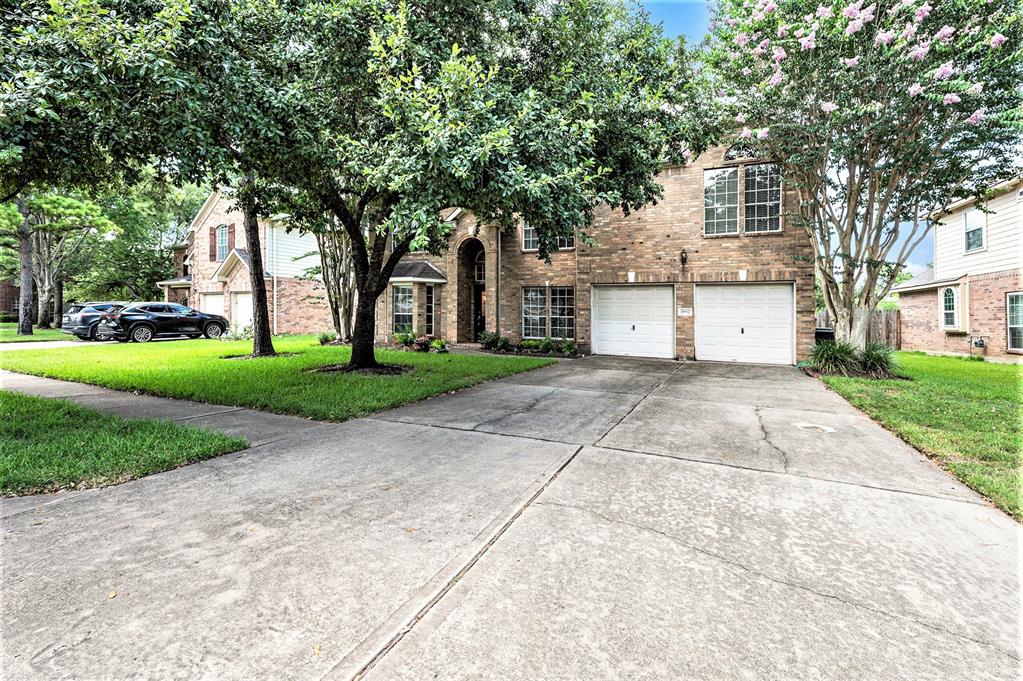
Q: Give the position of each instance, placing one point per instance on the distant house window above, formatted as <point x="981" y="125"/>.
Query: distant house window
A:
<point x="534" y="312"/>
<point x="974" y="230"/>
<point x="762" y="198"/>
<point x="531" y="241"/>
<point x="429" y="310"/>
<point x="479" y="268"/>
<point x="562" y="312"/>
<point x="16" y="305"/>
<point x="221" y="242"/>
<point x="721" y="201"/>
<point x="949" y="309"/>
<point x="1014" y="303"/>
<point x="402" y="309"/>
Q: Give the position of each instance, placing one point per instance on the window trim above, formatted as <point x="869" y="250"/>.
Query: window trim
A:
<point x="550" y="312"/>
<point x="222" y="236"/>
<point x="546" y="312"/>
<point x="431" y="309"/>
<point x="955" y="308"/>
<point x="394" y="308"/>
<point x="982" y="228"/>
<point x="522" y="312"/>
<point x="738" y="202"/>
<point x="1009" y="325"/>
<point x="564" y="243"/>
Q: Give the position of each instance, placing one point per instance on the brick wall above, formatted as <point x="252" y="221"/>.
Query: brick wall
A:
<point x="985" y="300"/>
<point x="301" y="306"/>
<point x="8" y="296"/>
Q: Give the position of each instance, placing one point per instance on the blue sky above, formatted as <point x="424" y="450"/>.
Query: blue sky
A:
<point x="690" y="18"/>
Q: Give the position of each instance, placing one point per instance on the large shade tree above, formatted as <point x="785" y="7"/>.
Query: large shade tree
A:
<point x="512" y="109"/>
<point x="881" y="113"/>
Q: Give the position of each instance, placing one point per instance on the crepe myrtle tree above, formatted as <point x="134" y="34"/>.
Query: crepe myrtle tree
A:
<point x="881" y="115"/>
<point x="513" y="110"/>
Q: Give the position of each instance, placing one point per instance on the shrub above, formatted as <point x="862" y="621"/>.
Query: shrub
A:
<point x="547" y="345"/>
<point x="421" y="344"/>
<point x="835" y="357"/>
<point x="488" y="340"/>
<point x="529" y="345"/>
<point x="878" y="360"/>
<point x="8" y="318"/>
<point x="326" y="337"/>
<point x="405" y="338"/>
<point x="570" y="348"/>
<point x="439" y="345"/>
<point x="244" y="333"/>
<point x="502" y="344"/>
<point x="975" y="358"/>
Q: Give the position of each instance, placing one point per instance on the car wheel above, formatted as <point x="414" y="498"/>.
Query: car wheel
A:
<point x="213" y="331"/>
<point x="142" y="334"/>
<point x="92" y="333"/>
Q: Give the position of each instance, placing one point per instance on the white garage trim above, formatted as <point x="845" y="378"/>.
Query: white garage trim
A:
<point x="745" y="322"/>
<point x="640" y="323"/>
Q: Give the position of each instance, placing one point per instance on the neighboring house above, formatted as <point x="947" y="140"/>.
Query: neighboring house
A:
<point x="972" y="299"/>
<point x="9" y="297"/>
<point x="213" y="271"/>
<point x="713" y="271"/>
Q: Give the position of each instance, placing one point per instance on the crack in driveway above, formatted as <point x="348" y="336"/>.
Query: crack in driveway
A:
<point x="793" y="585"/>
<point x="767" y="438"/>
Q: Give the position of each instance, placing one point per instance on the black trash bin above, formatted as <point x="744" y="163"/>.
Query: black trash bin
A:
<point x="822" y="333"/>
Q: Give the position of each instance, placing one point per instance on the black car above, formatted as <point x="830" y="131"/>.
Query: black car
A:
<point x="142" y="322"/>
<point x="82" y="319"/>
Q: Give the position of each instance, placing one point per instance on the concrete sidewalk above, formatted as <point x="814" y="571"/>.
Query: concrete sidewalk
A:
<point x="601" y="518"/>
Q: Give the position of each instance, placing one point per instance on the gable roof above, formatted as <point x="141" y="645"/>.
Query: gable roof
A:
<point x="417" y="271"/>
<point x="923" y="281"/>
<point x="238" y="257"/>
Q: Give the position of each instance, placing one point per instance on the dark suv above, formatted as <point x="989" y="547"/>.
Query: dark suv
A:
<point x="142" y="322"/>
<point x="82" y="319"/>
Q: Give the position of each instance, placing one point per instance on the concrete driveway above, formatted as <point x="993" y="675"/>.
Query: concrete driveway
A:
<point x="602" y="518"/>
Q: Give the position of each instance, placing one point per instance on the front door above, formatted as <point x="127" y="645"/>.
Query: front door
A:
<point x="479" y="307"/>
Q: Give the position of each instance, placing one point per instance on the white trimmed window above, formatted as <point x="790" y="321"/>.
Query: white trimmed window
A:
<point x="562" y="312"/>
<point x="974" y="230"/>
<point x="1014" y="312"/>
<point x="762" y="198"/>
<point x="534" y="312"/>
<point x="531" y="241"/>
<point x="402" y="306"/>
<point x="430" y="310"/>
<point x="949" y="308"/>
<point x="548" y="312"/>
<point x="721" y="201"/>
<point x="221" y="242"/>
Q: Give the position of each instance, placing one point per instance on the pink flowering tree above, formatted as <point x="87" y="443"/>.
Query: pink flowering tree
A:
<point x="881" y="114"/>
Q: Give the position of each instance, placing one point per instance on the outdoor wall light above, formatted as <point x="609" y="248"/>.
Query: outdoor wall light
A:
<point x="683" y="258"/>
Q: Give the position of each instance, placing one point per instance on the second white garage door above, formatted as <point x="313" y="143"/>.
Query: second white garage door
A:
<point x="638" y="321"/>
<point x="241" y="311"/>
<point x="745" y="323"/>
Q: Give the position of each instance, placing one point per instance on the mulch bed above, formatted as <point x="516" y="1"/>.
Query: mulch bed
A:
<point x="382" y="370"/>
<point x="249" y="356"/>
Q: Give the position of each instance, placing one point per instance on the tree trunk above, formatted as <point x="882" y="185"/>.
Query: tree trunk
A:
<point x="25" y="261"/>
<point x="853" y="326"/>
<point x="262" y="342"/>
<point x="363" y="356"/>
<point x="58" y="302"/>
<point x="45" y="301"/>
<point x="337" y="272"/>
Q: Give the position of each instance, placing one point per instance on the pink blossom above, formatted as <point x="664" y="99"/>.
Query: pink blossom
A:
<point x="997" y="40"/>
<point x="762" y="133"/>
<point x="758" y="15"/>
<point x="741" y="39"/>
<point x="809" y="42"/>
<point x="746" y="133"/>
<point x="828" y="107"/>
<point x="799" y="32"/>
<point x="915" y="89"/>
<point x="923" y="12"/>
<point x="783" y="30"/>
<point x="977" y="116"/>
<point x="721" y="93"/>
<point x="770" y="7"/>
<point x="825" y="12"/>
<point x="761" y="48"/>
<point x="776" y="78"/>
<point x="854" y="26"/>
<point x="920" y="51"/>
<point x="909" y="32"/>
<point x="731" y="22"/>
<point x="868" y="13"/>
<point x="851" y="61"/>
<point x="944" y="72"/>
<point x="852" y="11"/>
<point x="945" y="34"/>
<point x="976" y="89"/>
<point x="952" y="98"/>
<point x="884" y="38"/>
<point x="779" y="55"/>
<point x="746" y="70"/>
<point x="740" y="118"/>
<point x="687" y="156"/>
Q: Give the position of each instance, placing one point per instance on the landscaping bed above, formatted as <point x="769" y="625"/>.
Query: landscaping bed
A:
<point x="194" y="370"/>
<point x="965" y="414"/>
<point x="48" y="445"/>
<point x="546" y="347"/>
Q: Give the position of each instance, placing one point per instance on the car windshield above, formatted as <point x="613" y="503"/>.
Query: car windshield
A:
<point x="75" y="309"/>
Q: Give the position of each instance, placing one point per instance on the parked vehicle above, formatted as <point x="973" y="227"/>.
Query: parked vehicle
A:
<point x="82" y="319"/>
<point x="142" y="322"/>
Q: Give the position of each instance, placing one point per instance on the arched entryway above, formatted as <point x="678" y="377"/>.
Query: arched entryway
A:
<point x="472" y="292"/>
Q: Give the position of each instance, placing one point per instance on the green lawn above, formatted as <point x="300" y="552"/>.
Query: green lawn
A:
<point x="9" y="334"/>
<point x="198" y="370"/>
<point x="964" y="414"/>
<point x="48" y="445"/>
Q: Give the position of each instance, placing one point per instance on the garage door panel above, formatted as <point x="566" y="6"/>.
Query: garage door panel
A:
<point x="212" y="303"/>
<point x="745" y="323"/>
<point x="637" y="321"/>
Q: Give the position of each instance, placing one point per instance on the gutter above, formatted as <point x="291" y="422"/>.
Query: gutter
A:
<point x="497" y="287"/>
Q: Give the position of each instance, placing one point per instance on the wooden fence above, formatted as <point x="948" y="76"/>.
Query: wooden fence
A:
<point x="885" y="326"/>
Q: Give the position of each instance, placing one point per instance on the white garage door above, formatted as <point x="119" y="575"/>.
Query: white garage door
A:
<point x="745" y="323"/>
<point x="212" y="303"/>
<point x="634" y="320"/>
<point x="241" y="310"/>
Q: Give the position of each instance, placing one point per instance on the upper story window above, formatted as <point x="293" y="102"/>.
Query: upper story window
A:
<point x="721" y="201"/>
<point x="221" y="242"/>
<point x="531" y="240"/>
<point x="974" y="220"/>
<point x="762" y="209"/>
<point x="949" y="308"/>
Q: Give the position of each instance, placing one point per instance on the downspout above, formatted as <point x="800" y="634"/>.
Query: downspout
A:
<point x="497" y="287"/>
<point x="274" y="228"/>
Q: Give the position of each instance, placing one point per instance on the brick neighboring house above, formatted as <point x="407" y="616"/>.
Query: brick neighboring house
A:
<point x="213" y="271"/>
<point x="9" y="297"/>
<point x="975" y="289"/>
<point x="713" y="271"/>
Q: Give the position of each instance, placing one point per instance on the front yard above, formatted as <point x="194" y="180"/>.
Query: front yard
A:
<point x="203" y="370"/>
<point x="9" y="334"/>
<point x="48" y="445"/>
<point x="964" y="414"/>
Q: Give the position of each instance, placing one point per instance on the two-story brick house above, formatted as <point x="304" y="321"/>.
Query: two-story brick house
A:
<point x="213" y="271"/>
<point x="971" y="301"/>
<point x="713" y="271"/>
